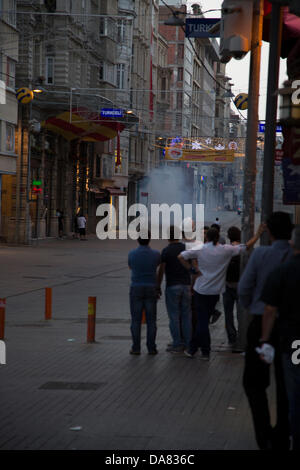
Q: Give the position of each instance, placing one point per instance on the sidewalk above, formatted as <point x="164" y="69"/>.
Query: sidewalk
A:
<point x="120" y="401"/>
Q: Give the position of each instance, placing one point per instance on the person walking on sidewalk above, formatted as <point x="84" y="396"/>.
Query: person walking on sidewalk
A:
<point x="60" y="217"/>
<point x="281" y="294"/>
<point x="143" y="262"/>
<point x="256" y="377"/>
<point x="213" y="260"/>
<point x="81" y="223"/>
<point x="178" y="294"/>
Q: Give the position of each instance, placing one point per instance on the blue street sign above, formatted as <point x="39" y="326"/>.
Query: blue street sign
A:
<point x="111" y="112"/>
<point x="262" y="128"/>
<point x="199" y="27"/>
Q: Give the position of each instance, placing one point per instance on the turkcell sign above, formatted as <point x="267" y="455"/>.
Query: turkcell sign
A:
<point x="111" y="112"/>
<point x="200" y="27"/>
<point x="262" y="128"/>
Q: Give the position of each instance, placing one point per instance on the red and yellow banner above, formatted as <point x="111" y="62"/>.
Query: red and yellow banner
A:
<point x="216" y="156"/>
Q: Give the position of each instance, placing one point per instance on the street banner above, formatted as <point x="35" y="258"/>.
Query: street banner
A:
<point x="213" y="156"/>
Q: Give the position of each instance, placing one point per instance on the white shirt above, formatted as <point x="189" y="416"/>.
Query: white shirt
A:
<point x="81" y="221"/>
<point x="213" y="261"/>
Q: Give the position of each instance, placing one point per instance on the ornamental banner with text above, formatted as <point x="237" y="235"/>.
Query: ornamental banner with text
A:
<point x="213" y="156"/>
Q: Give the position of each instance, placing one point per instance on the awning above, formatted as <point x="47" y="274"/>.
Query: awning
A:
<point x="85" y="125"/>
<point x="99" y="192"/>
<point x="116" y="191"/>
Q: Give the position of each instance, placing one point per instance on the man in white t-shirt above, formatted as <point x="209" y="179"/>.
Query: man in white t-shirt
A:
<point x="81" y="223"/>
<point x="213" y="260"/>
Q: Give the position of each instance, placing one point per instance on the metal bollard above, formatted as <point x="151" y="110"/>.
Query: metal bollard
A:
<point x="48" y="303"/>
<point x="91" y="325"/>
<point x="2" y="317"/>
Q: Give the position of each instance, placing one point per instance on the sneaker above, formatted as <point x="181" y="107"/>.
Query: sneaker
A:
<point x="153" y="353"/>
<point x="178" y="350"/>
<point x="135" y="353"/>
<point x="205" y="357"/>
<point x="215" y="317"/>
<point x="188" y="354"/>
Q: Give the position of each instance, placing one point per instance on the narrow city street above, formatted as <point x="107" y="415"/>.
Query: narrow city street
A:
<point x="58" y="392"/>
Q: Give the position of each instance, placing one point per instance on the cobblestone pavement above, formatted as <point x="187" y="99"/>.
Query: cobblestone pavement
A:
<point x="58" y="392"/>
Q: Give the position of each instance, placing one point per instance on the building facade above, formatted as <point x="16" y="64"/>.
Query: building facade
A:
<point x="9" y="54"/>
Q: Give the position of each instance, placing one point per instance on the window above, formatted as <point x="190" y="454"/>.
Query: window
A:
<point x="101" y="71"/>
<point x="180" y="51"/>
<point x="163" y="88"/>
<point x="121" y="76"/>
<point x="11" y="17"/>
<point x="179" y="99"/>
<point x="49" y="70"/>
<point x="180" y="74"/>
<point x="1" y="67"/>
<point x="98" y="166"/>
<point x="10" y="73"/>
<point x="10" y="137"/>
<point x="188" y="78"/>
<point x="121" y="30"/>
<point x="189" y="55"/>
<point x="37" y="60"/>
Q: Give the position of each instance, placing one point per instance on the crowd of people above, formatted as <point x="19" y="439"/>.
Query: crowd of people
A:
<point x="266" y="298"/>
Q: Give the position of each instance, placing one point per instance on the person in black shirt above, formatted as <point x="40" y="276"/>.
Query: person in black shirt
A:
<point x="230" y="297"/>
<point x="178" y="293"/>
<point x="281" y="293"/>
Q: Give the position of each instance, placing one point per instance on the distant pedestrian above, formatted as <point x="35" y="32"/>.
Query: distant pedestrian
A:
<point x="281" y="294"/>
<point x="230" y="297"/>
<point x="76" y="229"/>
<point x="213" y="260"/>
<point x="257" y="374"/>
<point x="217" y="226"/>
<point x="144" y="291"/>
<point x="81" y="223"/>
<point x="217" y="221"/>
<point x="60" y="217"/>
<point x="178" y="294"/>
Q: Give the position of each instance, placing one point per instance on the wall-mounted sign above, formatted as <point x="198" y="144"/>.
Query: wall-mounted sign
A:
<point x="111" y="112"/>
<point x="200" y="27"/>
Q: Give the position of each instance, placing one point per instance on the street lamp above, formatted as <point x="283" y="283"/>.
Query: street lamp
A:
<point x="174" y="20"/>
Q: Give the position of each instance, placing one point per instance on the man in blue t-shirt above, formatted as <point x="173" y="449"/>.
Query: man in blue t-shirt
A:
<point x="143" y="262"/>
<point x="178" y="294"/>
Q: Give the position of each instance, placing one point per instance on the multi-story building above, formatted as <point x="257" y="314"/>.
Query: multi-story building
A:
<point x="78" y="54"/>
<point x="8" y="111"/>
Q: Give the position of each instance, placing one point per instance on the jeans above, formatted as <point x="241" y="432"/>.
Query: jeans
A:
<point x="292" y="383"/>
<point x="205" y="306"/>
<point x="178" y="302"/>
<point x="256" y="380"/>
<point x="229" y="299"/>
<point x="143" y="297"/>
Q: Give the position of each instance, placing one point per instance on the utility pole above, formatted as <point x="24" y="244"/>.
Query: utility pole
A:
<point x="271" y="116"/>
<point x="248" y="215"/>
